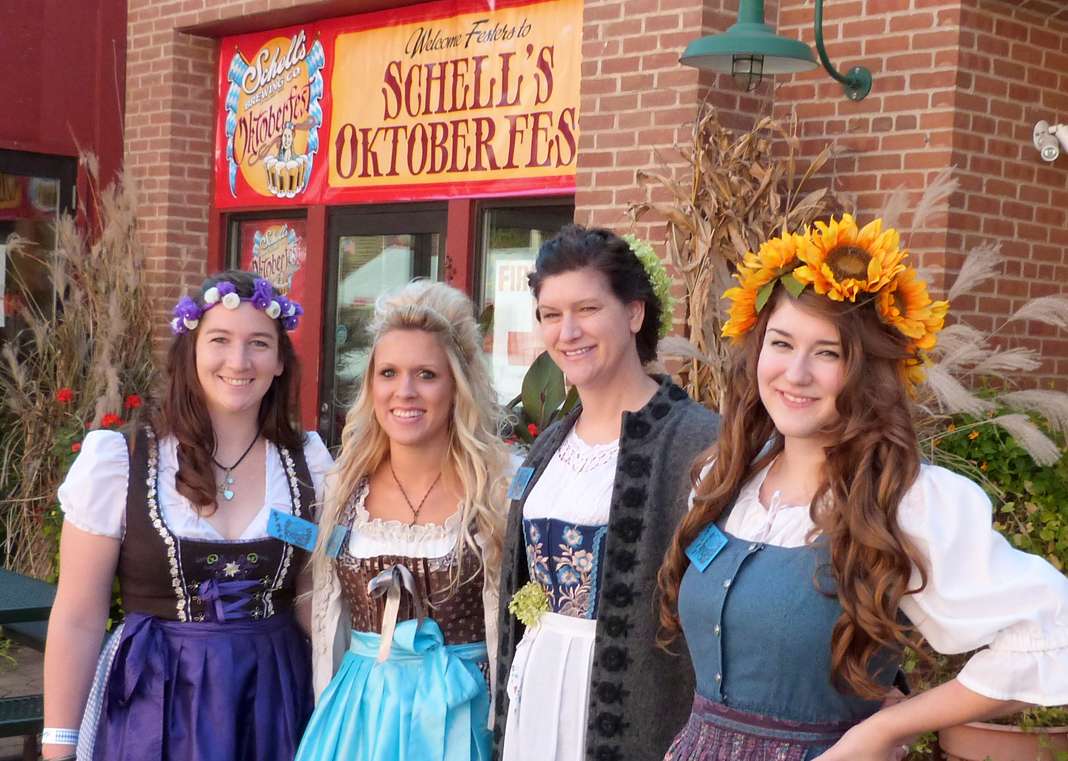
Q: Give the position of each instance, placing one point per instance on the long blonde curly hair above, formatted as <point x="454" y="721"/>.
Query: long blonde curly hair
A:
<point x="476" y="451"/>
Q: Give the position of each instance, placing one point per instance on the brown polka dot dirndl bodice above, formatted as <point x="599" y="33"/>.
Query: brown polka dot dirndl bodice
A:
<point x="450" y="591"/>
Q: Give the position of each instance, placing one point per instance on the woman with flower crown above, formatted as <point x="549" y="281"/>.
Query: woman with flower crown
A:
<point x="404" y="605"/>
<point x="592" y="513"/>
<point x="819" y="543"/>
<point x="210" y="663"/>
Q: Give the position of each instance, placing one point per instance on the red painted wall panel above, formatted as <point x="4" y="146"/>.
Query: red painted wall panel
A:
<point x="63" y="82"/>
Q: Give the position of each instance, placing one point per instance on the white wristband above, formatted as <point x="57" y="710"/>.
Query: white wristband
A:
<point x="52" y="736"/>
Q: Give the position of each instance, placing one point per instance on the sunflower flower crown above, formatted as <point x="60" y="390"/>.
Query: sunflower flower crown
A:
<point x="843" y="263"/>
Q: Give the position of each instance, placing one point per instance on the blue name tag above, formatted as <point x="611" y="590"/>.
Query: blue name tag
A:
<point x="292" y="530"/>
<point x="337" y="539"/>
<point x="706" y="546"/>
<point x="519" y="484"/>
<point x="301" y="533"/>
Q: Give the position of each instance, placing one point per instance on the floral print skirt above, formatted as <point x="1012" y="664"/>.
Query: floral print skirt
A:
<point x="717" y="733"/>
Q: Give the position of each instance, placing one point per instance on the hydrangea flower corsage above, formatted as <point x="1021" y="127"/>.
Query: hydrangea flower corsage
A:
<point x="659" y="277"/>
<point x="528" y="603"/>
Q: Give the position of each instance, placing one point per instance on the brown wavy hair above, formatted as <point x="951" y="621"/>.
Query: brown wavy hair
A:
<point x="183" y="412"/>
<point x="872" y="464"/>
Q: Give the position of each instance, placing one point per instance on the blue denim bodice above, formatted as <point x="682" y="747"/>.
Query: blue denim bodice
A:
<point x="759" y="633"/>
<point x="566" y="559"/>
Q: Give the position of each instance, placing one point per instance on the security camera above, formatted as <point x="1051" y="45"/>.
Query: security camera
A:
<point x="1050" y="140"/>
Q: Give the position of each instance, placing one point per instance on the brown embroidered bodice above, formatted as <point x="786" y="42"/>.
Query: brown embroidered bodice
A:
<point x="164" y="575"/>
<point x="450" y="595"/>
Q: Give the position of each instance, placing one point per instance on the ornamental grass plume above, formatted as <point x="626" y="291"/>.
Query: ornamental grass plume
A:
<point x="976" y="372"/>
<point x="72" y="366"/>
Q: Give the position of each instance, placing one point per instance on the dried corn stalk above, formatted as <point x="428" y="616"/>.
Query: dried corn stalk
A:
<point x="732" y="194"/>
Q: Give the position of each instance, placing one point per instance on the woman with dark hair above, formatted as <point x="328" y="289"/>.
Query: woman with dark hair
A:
<point x="210" y="663"/>
<point x="817" y="530"/>
<point x="591" y="516"/>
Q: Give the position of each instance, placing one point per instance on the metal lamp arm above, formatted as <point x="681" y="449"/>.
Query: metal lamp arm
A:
<point x="857" y="82"/>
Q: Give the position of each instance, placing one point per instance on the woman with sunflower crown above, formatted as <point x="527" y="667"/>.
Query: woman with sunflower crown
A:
<point x="819" y="543"/>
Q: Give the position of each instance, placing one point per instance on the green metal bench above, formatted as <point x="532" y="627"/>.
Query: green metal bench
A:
<point x="29" y="634"/>
<point x="24" y="607"/>
<point x="24" y="716"/>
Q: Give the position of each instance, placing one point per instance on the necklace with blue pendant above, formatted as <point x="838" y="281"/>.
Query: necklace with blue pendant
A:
<point x="228" y="480"/>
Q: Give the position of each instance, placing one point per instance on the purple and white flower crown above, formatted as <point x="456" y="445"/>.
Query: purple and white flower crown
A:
<point x="188" y="312"/>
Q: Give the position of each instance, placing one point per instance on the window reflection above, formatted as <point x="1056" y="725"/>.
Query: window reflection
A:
<point x="510" y="241"/>
<point x="28" y="210"/>
<point x="368" y="266"/>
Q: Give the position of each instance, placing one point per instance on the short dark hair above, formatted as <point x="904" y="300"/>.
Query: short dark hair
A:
<point x="576" y="247"/>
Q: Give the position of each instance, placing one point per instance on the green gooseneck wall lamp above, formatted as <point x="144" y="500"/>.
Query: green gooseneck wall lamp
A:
<point x="749" y="50"/>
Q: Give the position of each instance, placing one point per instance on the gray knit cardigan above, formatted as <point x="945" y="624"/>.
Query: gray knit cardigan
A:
<point x="640" y="696"/>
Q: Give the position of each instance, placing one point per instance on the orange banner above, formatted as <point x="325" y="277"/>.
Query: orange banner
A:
<point x="443" y="99"/>
<point x="479" y="96"/>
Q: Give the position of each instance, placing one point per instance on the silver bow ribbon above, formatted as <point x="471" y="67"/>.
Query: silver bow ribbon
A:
<point x="390" y="583"/>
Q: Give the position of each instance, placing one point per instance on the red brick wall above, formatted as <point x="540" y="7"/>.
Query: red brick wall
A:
<point x="952" y="86"/>
<point x="170" y="96"/>
<point x="638" y="101"/>
<point x="902" y="132"/>
<point x="953" y="80"/>
<point x="1013" y="72"/>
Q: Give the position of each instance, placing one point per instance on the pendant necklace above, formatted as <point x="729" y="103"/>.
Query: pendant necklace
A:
<point x="415" y="510"/>
<point x="228" y="480"/>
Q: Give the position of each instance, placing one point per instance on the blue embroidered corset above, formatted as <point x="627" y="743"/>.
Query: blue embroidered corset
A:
<point x="567" y="560"/>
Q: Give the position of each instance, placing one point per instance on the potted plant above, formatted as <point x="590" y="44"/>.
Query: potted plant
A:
<point x="81" y="363"/>
<point x="542" y="399"/>
<point x="1031" y="511"/>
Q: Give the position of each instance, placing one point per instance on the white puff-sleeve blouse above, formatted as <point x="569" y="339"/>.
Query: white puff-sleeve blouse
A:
<point x="980" y="593"/>
<point x="93" y="496"/>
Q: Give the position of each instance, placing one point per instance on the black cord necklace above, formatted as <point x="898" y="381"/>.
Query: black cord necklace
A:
<point x="415" y="510"/>
<point x="228" y="480"/>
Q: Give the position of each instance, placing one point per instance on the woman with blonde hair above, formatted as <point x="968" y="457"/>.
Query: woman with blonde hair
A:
<point x="820" y="544"/>
<point x="409" y="545"/>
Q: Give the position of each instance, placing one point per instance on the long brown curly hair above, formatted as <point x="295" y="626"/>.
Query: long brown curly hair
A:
<point x="872" y="464"/>
<point x="183" y="411"/>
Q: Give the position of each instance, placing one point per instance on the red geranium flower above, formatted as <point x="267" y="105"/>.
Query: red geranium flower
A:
<point x="64" y="395"/>
<point x="76" y="446"/>
<point x="133" y="401"/>
<point x="533" y="429"/>
<point x="110" y="419"/>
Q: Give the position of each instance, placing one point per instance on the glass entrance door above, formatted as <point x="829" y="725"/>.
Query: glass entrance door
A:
<point x="373" y="249"/>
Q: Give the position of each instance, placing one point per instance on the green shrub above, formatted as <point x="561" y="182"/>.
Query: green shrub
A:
<point x="1030" y="500"/>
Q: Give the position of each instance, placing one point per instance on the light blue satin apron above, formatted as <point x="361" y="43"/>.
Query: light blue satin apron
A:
<point x="415" y="699"/>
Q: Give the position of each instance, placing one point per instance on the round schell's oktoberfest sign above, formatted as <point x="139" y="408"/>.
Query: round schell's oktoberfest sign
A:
<point x="273" y="115"/>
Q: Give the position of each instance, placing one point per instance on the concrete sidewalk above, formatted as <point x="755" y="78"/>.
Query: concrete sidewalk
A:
<point x="22" y="674"/>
